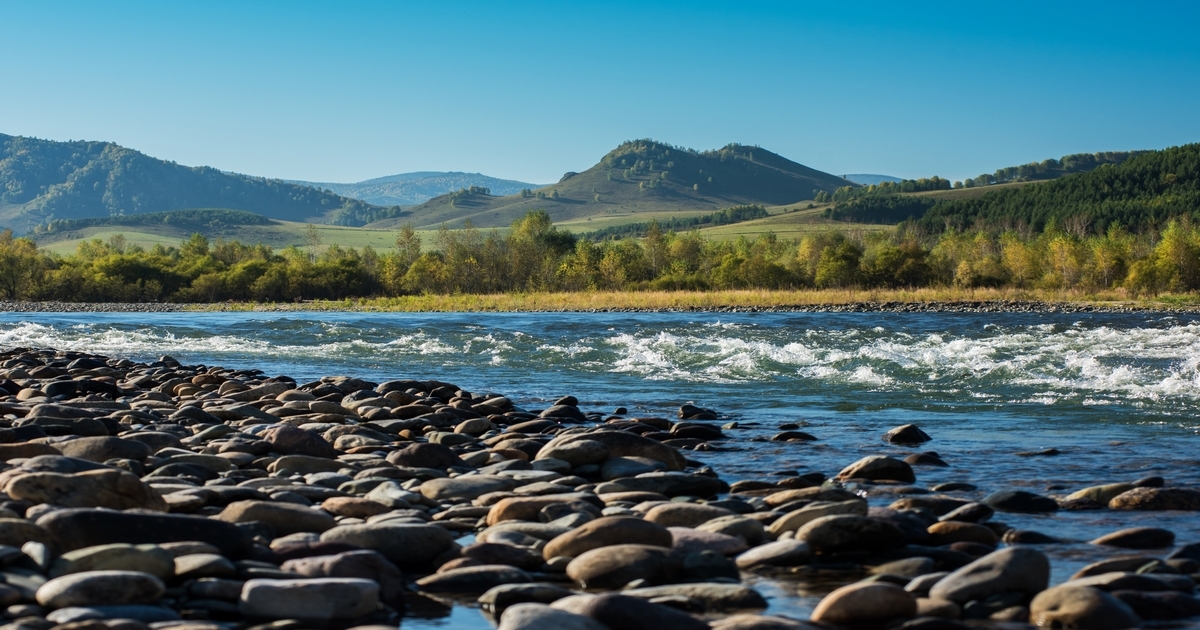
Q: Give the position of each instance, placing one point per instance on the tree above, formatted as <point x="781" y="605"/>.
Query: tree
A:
<point x="408" y="244"/>
<point x="312" y="238"/>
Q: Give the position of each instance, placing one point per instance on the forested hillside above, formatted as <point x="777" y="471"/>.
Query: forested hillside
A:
<point x="42" y="180"/>
<point x="409" y="189"/>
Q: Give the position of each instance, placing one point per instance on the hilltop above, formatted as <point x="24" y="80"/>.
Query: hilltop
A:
<point x="866" y="179"/>
<point x="409" y="189"/>
<point x="44" y="180"/>
<point x="641" y="176"/>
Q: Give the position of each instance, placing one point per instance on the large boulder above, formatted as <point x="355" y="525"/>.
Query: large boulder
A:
<point x="79" y="528"/>
<point x="615" y="566"/>
<point x="405" y="544"/>
<point x="1157" y="499"/>
<point x="311" y="599"/>
<point x="829" y="534"/>
<point x="625" y="444"/>
<point x="1080" y="608"/>
<point x="535" y="616"/>
<point x="879" y="468"/>
<point x="865" y="603"/>
<point x="1009" y="570"/>
<point x="110" y="488"/>
<point x="285" y="518"/>
<point x="92" y="588"/>
<point x="606" y="531"/>
<point x="631" y="613"/>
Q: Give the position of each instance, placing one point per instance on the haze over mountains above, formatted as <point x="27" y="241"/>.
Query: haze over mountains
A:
<point x="408" y="189"/>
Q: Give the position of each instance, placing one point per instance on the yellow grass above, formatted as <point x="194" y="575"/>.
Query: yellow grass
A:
<point x="712" y="300"/>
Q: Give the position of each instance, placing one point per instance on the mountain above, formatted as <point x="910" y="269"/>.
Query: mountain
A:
<point x="636" y="177"/>
<point x="43" y="180"/>
<point x="410" y="189"/>
<point x="866" y="179"/>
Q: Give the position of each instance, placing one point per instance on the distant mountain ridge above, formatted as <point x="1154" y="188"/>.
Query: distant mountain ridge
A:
<point x="45" y="180"/>
<point x="866" y="179"/>
<point x="408" y="189"/>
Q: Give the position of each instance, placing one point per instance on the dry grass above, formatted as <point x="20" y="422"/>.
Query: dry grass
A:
<point x="712" y="300"/>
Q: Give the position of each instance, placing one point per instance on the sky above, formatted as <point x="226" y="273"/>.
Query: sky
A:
<point x="347" y="91"/>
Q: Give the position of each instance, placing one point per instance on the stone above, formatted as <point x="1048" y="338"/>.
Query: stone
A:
<point x="626" y="444"/>
<point x="150" y="559"/>
<point x="533" y="616"/>
<point x="615" y="566"/>
<point x="465" y="487"/>
<point x="528" y="508"/>
<point x="289" y="440"/>
<point x="1008" y="570"/>
<point x="950" y="532"/>
<point x="1020" y="501"/>
<point x="781" y="553"/>
<point x="79" y="528"/>
<point x="405" y="544"/>
<point x="1157" y="499"/>
<point x="630" y="613"/>
<point x="1138" y="538"/>
<point x="499" y="553"/>
<point x="92" y="588"/>
<point x="1101" y="494"/>
<point x="576" y="453"/>
<point x="969" y="513"/>
<point x="762" y="622"/>
<point x="364" y="563"/>
<point x="477" y="579"/>
<point x="15" y="532"/>
<point x="796" y="519"/>
<point x="906" y="434"/>
<point x="688" y="540"/>
<point x="829" y="534"/>
<point x="353" y="507"/>
<point x="111" y="617"/>
<point x="1081" y="608"/>
<point x="424" y="455"/>
<point x="203" y="565"/>
<point x="315" y="599"/>
<point x="285" y="518"/>
<point x="671" y="484"/>
<point x="605" y="531"/>
<point x="498" y="598"/>
<point x="102" y="449"/>
<point x="865" y="603"/>
<point x="748" y="529"/>
<point x="566" y="412"/>
<point x="711" y="597"/>
<point x="878" y="468"/>
<point x="110" y="488"/>
<point x="1160" y="605"/>
<point x="684" y="514"/>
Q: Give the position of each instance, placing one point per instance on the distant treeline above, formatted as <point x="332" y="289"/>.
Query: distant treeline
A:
<point x="735" y="214"/>
<point x="1141" y="192"/>
<point x="1050" y="169"/>
<point x="536" y="256"/>
<point x="198" y="217"/>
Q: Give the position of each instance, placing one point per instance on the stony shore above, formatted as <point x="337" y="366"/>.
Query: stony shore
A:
<point x="969" y="306"/>
<point x="193" y="497"/>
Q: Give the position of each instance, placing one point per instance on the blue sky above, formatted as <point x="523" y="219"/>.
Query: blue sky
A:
<point x="350" y="90"/>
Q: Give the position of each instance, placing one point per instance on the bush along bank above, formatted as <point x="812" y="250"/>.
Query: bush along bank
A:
<point x="173" y="496"/>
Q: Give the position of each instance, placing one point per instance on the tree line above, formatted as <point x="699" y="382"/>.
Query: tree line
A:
<point x="536" y="256"/>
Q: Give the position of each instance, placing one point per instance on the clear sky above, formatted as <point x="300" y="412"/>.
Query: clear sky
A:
<point x="345" y="91"/>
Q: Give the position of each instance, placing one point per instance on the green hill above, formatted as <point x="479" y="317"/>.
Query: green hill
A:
<point x="410" y="189"/>
<point x="43" y="180"/>
<point x="641" y="176"/>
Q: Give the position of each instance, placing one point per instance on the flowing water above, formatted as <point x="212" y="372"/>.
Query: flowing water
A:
<point x="1118" y="395"/>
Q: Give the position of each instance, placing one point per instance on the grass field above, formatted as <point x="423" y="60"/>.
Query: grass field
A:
<point x="789" y="225"/>
<point x="972" y="193"/>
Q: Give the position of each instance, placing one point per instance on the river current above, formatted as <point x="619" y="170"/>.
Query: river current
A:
<point x="1118" y="395"/>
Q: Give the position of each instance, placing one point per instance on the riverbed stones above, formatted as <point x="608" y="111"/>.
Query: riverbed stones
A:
<point x="614" y="566"/>
<point x="404" y="544"/>
<point x="151" y="559"/>
<point x="1138" y="538"/>
<point x="425" y="455"/>
<point x="796" y="519"/>
<point x="91" y="588"/>
<point x="1157" y="499"/>
<point x="475" y="579"/>
<point x="284" y="518"/>
<point x="906" y="434"/>
<point x="101" y="449"/>
<point x="536" y="616"/>
<point x="1082" y="608"/>
<point x="313" y="599"/>
<point x="1009" y="570"/>
<point x="684" y="514"/>
<point x="606" y="531"/>
<point x="79" y="528"/>
<point x="1020" y="501"/>
<point x="624" y="444"/>
<point x="576" y="453"/>
<point x="781" y="553"/>
<point x="829" y="534"/>
<point x="708" y="596"/>
<point x="865" y="603"/>
<point x="630" y="613"/>
<point x="465" y="487"/>
<point x="879" y="468"/>
<point x="109" y="488"/>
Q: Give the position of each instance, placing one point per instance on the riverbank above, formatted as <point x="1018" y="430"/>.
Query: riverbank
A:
<point x="836" y="301"/>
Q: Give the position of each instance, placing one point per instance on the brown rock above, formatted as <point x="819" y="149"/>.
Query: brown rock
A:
<point x="865" y="603"/>
<point x="1157" y="499"/>
<point x="606" y="531"/>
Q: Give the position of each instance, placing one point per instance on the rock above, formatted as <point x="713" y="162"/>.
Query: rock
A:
<point x="118" y="617"/>
<point x="1160" y="605"/>
<point x="285" y="518"/>
<point x="671" y="484"/>
<point x="684" y="514"/>
<point x="424" y="455"/>
<point x="1009" y="570"/>
<point x="315" y="599"/>
<point x="761" y="622"/>
<point x="541" y="617"/>
<point x="907" y="568"/>
<point x="1111" y="565"/>
<point x="622" y="467"/>
<point x="711" y="597"/>
<point x="201" y="565"/>
<point x="878" y="468"/>
<point x="406" y="545"/>
<point x="1020" y="501"/>
<point x="1101" y="494"/>
<point x="781" y="553"/>
<point x="1128" y="581"/>
<point x="630" y="613"/>
<point x="796" y="519"/>
<point x="79" y="528"/>
<point x="688" y="540"/>
<point x="110" y="488"/>
<point x="477" y="579"/>
<point x="353" y="507"/>
<point x="626" y="444"/>
<point x="829" y="534"/>
<point x="970" y="513"/>
<point x="950" y="532"/>
<point x="1138" y="538"/>
<point x="865" y="603"/>
<point x="498" y="598"/>
<point x="1157" y="499"/>
<point x="1081" y="608"/>
<point x="609" y="530"/>
<point x="577" y="452"/>
<point x="289" y="440"/>
<point x="102" y="449"/>
<point x="15" y="532"/>
<point x="528" y="508"/>
<point x="748" y="529"/>
<point x="465" y="487"/>
<point x="616" y="565"/>
<point x="365" y="564"/>
<point x="150" y="559"/>
<point x="566" y="412"/>
<point x="92" y="588"/>
<point x="906" y="434"/>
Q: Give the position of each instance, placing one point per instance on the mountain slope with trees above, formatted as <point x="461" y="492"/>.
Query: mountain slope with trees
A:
<point x="640" y="176"/>
<point x="410" y="189"/>
<point x="43" y="180"/>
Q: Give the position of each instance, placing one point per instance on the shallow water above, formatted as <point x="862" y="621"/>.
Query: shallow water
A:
<point x="1117" y="394"/>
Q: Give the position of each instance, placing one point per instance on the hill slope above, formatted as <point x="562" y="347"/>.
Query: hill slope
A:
<point x="640" y="176"/>
<point x="41" y="180"/>
<point x="866" y="179"/>
<point x="410" y="189"/>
